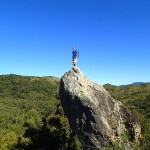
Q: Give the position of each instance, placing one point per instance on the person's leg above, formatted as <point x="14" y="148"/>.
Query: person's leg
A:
<point x="73" y="61"/>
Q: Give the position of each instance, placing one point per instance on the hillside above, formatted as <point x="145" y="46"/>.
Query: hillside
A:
<point x="31" y="116"/>
<point x="136" y="83"/>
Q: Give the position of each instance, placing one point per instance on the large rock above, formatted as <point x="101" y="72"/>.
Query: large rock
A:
<point x="94" y="115"/>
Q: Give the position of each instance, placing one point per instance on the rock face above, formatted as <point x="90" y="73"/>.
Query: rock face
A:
<point x="96" y="118"/>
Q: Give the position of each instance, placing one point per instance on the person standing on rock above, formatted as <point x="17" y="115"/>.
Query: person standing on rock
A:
<point x="75" y="56"/>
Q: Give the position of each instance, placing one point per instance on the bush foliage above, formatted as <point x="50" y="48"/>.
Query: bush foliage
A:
<point x="31" y="116"/>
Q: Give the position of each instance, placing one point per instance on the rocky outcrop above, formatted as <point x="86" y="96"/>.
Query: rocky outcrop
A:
<point x="94" y="115"/>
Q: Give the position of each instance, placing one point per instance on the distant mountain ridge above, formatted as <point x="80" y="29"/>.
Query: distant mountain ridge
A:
<point x="136" y="83"/>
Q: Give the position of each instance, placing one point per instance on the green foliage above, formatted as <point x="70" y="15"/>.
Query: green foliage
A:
<point x="33" y="119"/>
<point x="59" y="128"/>
<point x="31" y="116"/>
<point x="24" y="101"/>
<point x="8" y="141"/>
<point x="53" y="134"/>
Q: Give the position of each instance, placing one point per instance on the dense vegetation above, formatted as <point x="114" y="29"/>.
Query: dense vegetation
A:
<point x="31" y="116"/>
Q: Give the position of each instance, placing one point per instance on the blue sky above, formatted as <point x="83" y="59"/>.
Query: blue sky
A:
<point x="112" y="36"/>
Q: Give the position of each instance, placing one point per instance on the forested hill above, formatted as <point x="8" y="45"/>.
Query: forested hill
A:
<point x="28" y="87"/>
<point x="21" y="93"/>
<point x="31" y="116"/>
<point x="24" y="101"/>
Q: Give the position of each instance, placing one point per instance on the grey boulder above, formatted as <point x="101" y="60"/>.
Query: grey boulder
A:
<point x="97" y="119"/>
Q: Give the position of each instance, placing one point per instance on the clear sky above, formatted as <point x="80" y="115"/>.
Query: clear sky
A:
<point x="112" y="36"/>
